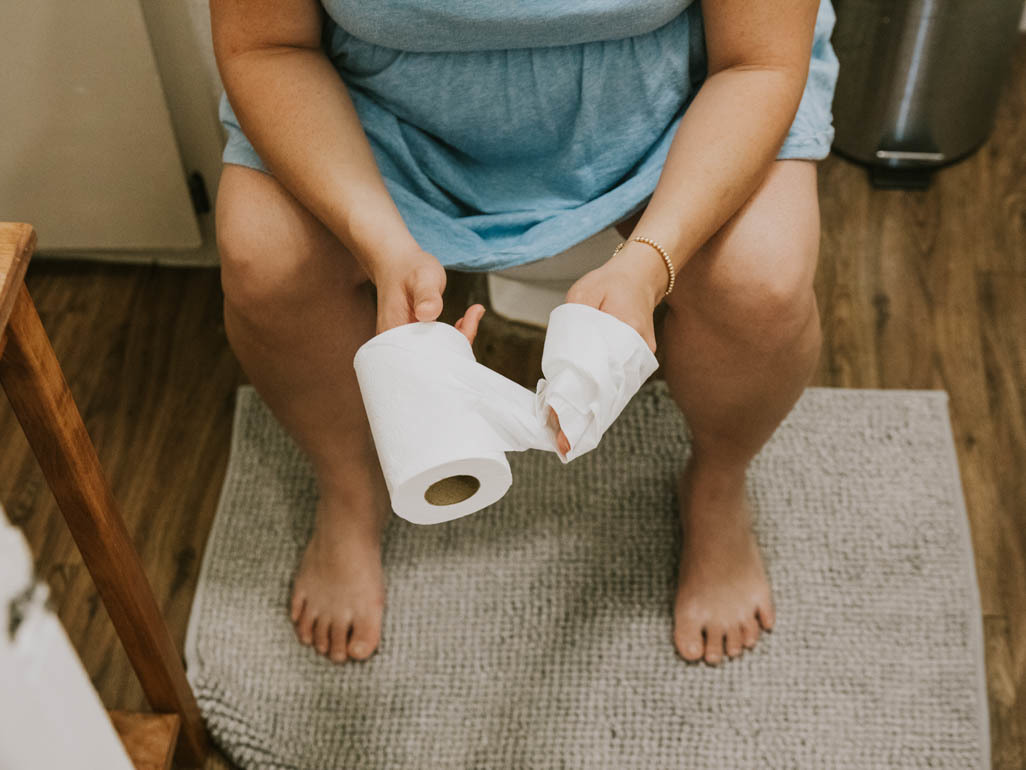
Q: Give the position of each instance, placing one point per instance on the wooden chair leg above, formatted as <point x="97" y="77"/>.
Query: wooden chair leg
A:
<point x="39" y="395"/>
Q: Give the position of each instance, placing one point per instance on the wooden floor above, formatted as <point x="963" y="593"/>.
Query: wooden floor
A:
<point x="916" y="290"/>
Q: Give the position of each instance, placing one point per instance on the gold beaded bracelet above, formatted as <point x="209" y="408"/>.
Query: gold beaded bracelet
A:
<point x="662" y="253"/>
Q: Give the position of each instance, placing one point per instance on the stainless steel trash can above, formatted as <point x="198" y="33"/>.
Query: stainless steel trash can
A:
<point x="919" y="81"/>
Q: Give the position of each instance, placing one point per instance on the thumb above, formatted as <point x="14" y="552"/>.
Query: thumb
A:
<point x="426" y="293"/>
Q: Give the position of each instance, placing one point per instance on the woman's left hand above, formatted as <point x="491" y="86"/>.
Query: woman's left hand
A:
<point x="623" y="291"/>
<point x="619" y="288"/>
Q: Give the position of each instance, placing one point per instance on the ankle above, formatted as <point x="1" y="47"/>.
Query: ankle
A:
<point x="352" y="501"/>
<point x="345" y="519"/>
<point x="356" y="476"/>
<point x="713" y="499"/>
<point x="716" y="470"/>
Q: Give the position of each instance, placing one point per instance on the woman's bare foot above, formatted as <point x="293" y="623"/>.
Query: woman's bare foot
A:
<point x="723" y="596"/>
<point x="338" y="596"/>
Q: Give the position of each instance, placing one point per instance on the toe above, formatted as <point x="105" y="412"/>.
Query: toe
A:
<point x="322" y="634"/>
<point x="366" y="635"/>
<point x="767" y="614"/>
<point x="733" y="641"/>
<point x="714" y="634"/>
<point x="750" y="632"/>
<point x="304" y="626"/>
<point x="688" y="639"/>
<point x="339" y="640"/>
<point x="296" y="608"/>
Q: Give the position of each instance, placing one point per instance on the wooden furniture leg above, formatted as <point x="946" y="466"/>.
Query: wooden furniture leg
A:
<point x="146" y="737"/>
<point x="39" y="395"/>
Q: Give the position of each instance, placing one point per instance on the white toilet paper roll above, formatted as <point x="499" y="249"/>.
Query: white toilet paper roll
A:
<point x="442" y="422"/>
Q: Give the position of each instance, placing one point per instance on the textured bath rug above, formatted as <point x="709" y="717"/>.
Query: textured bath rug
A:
<point x="537" y="632"/>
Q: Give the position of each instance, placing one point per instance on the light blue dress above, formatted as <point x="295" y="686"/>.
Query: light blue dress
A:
<point x="507" y="132"/>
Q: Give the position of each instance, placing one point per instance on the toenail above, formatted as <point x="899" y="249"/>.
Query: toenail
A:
<point x="359" y="650"/>
<point x="694" y="651"/>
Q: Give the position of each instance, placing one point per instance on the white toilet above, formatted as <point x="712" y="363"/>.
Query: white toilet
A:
<point x="528" y="293"/>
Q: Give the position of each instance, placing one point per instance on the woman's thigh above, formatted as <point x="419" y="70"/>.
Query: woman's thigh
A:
<point x="271" y="247"/>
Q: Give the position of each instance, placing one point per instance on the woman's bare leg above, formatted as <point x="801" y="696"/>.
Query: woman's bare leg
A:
<point x="742" y="338"/>
<point x="297" y="306"/>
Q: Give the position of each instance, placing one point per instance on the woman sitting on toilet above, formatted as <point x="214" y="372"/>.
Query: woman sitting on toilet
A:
<point x="372" y="145"/>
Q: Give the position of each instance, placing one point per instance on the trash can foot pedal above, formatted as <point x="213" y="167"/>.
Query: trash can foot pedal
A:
<point x="885" y="178"/>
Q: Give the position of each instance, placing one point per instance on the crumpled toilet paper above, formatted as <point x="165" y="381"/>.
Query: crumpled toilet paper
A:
<point x="442" y="422"/>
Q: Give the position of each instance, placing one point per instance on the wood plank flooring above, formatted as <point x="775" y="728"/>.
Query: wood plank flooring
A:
<point x="916" y="289"/>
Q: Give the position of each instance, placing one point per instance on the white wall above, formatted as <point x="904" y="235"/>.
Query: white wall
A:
<point x="199" y="16"/>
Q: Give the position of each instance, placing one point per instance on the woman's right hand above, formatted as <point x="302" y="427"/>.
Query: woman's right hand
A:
<point x="409" y="289"/>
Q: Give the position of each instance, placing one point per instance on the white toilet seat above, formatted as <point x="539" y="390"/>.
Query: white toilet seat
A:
<point x="528" y="293"/>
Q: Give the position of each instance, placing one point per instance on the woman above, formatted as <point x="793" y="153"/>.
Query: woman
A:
<point x="371" y="145"/>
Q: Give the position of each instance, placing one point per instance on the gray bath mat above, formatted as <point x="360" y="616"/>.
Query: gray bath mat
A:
<point x="537" y="633"/>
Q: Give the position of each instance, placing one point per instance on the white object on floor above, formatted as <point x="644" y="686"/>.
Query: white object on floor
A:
<point x="528" y="293"/>
<point x="442" y="422"/>
<point x="50" y="715"/>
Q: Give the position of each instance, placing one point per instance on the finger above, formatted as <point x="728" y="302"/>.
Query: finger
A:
<point x="562" y="442"/>
<point x="643" y="327"/>
<point x="468" y="323"/>
<point x="426" y="291"/>
<point x="391" y="313"/>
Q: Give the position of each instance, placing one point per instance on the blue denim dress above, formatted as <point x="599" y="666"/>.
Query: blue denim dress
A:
<point x="507" y="133"/>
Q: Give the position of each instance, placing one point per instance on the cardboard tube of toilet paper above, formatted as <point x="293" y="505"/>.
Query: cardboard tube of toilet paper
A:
<point x="442" y="422"/>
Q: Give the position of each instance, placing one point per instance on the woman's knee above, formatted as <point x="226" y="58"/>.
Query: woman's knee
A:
<point x="273" y="252"/>
<point x="760" y="291"/>
<point x="754" y="279"/>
